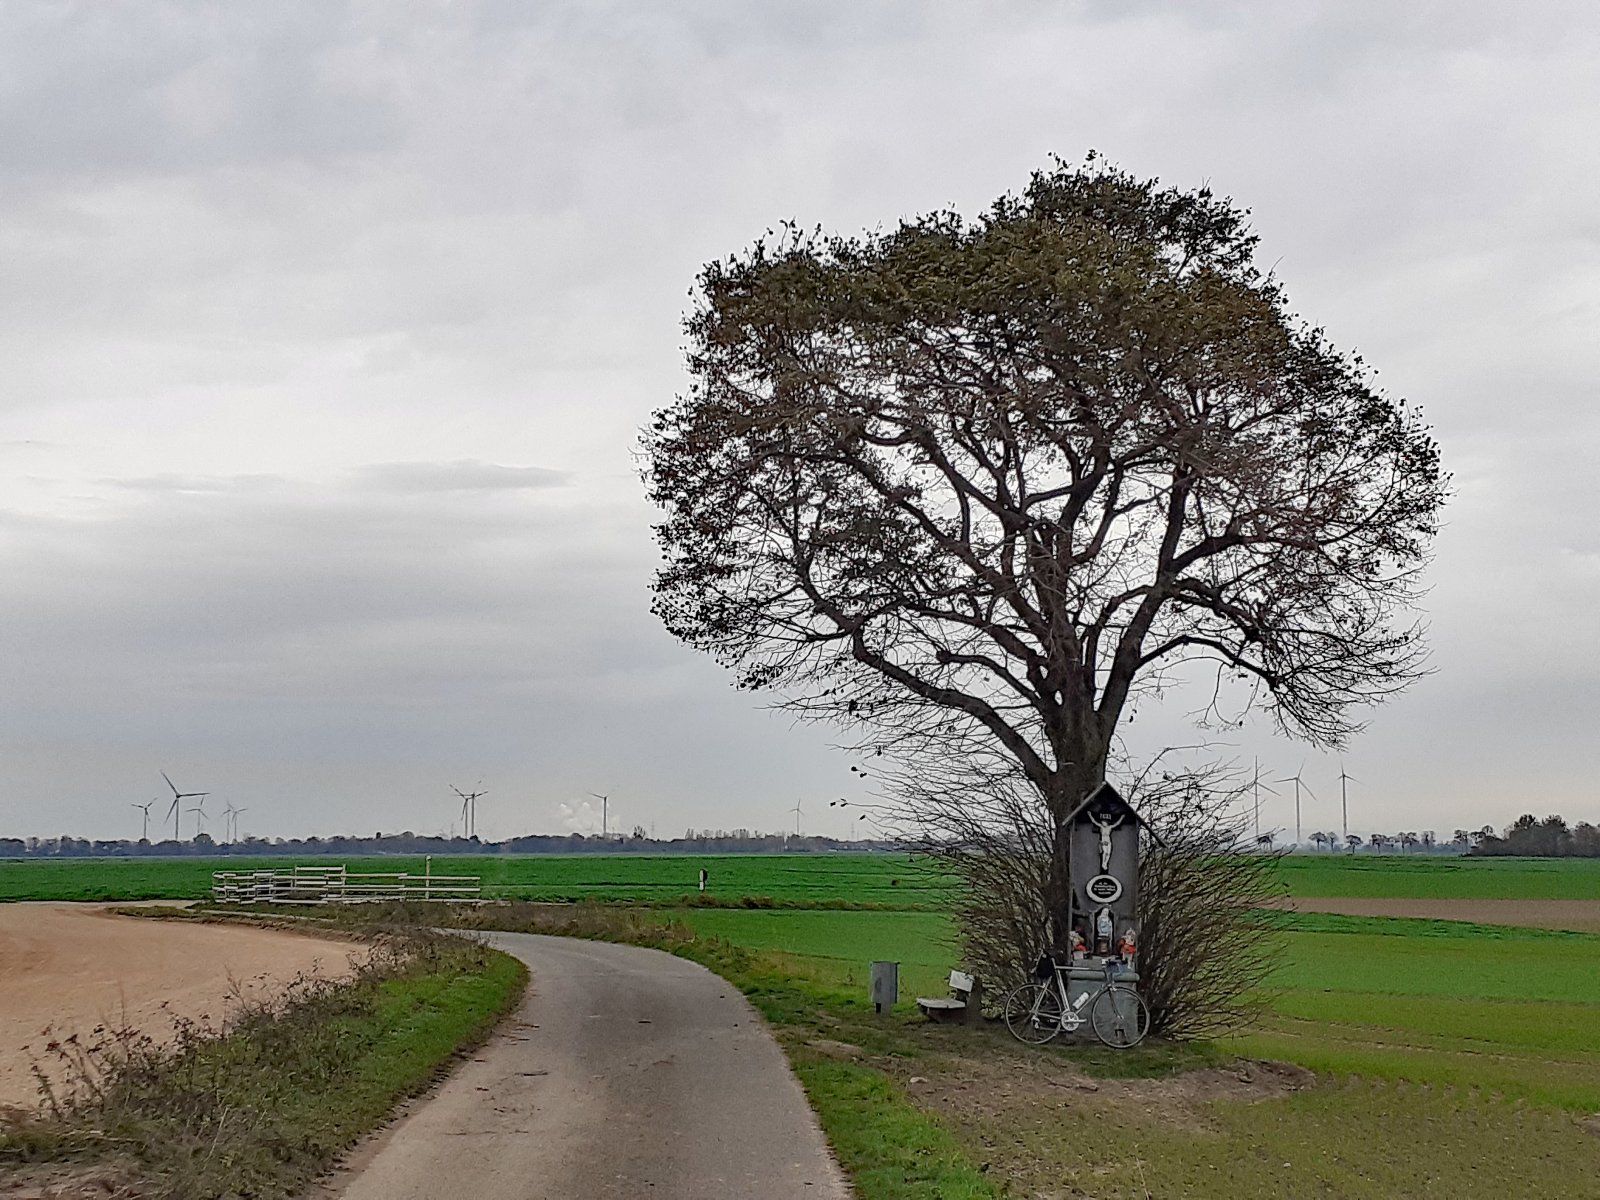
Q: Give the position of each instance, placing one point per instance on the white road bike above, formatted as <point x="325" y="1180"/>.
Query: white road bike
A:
<point x="1038" y="1011"/>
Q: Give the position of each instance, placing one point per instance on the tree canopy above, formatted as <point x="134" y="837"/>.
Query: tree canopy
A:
<point x="996" y="477"/>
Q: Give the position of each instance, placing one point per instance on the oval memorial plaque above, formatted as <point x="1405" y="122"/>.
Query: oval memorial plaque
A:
<point x="1103" y="889"/>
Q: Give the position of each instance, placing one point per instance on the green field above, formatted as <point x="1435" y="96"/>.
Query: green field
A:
<point x="1516" y="1010"/>
<point x="890" y="880"/>
<point x="834" y="948"/>
<point x="884" y="880"/>
<point x="1451" y="1058"/>
<point x="1473" y="1050"/>
<point x="1417" y="877"/>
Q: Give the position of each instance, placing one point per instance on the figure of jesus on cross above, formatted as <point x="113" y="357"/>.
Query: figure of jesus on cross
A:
<point x="1105" y="827"/>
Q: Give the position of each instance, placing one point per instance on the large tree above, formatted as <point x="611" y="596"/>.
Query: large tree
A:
<point x="985" y="483"/>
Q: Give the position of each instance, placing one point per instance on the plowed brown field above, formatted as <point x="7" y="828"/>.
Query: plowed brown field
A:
<point x="66" y="968"/>
<point x="1580" y="915"/>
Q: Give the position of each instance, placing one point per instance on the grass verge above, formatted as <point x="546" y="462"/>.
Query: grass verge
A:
<point x="1445" y="1073"/>
<point x="264" y="1103"/>
<point x="891" y="1149"/>
<point x="858" y="1067"/>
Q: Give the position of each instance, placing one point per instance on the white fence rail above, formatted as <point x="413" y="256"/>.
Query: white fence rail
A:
<point x="336" y="885"/>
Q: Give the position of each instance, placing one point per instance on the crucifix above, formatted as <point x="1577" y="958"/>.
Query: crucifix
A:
<point x="1105" y="828"/>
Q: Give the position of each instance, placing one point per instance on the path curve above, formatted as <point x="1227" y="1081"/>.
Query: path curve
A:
<point x="625" y="1073"/>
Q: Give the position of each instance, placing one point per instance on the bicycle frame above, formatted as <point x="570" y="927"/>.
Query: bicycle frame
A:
<point x="1072" y="1016"/>
<point x="1037" y="1011"/>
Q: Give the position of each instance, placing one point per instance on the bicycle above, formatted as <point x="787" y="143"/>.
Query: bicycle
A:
<point x="1038" y="1011"/>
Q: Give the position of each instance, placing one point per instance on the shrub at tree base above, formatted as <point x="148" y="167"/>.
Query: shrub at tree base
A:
<point x="1205" y="946"/>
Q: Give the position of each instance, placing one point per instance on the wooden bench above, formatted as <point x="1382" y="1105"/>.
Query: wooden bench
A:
<point x="964" y="1004"/>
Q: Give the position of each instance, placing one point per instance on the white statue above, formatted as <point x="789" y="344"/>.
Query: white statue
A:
<point x="1105" y="828"/>
<point x="1103" y="929"/>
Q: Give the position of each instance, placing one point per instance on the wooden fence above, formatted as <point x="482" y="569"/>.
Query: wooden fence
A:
<point x="336" y="885"/>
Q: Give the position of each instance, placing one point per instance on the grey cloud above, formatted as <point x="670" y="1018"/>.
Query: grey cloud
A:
<point x="463" y="475"/>
<point x="101" y="90"/>
<point x="303" y="632"/>
<point x="286" y="285"/>
<point x="198" y="483"/>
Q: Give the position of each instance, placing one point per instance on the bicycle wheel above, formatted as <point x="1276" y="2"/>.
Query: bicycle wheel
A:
<point x="1120" y="1017"/>
<point x="1033" y="1013"/>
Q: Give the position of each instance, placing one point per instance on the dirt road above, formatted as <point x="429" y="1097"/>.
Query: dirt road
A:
<point x="625" y="1073"/>
<point x="1580" y="915"/>
<point x="69" y="967"/>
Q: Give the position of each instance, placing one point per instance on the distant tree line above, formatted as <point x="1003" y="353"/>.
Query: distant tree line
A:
<point x="705" y="841"/>
<point x="1406" y="842"/>
<point x="1527" y="836"/>
<point x="1549" y="838"/>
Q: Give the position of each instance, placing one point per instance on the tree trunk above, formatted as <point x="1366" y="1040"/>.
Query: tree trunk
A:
<point x="1066" y="789"/>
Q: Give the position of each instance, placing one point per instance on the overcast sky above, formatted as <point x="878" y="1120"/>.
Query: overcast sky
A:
<point x="327" y="331"/>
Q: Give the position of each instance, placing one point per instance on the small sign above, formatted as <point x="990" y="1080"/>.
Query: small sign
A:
<point x="1103" y="889"/>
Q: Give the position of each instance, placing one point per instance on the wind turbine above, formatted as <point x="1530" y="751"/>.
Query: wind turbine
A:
<point x="236" y="813"/>
<point x="177" y="802"/>
<point x="1255" y="786"/>
<point x="145" y="809"/>
<point x="199" y="811"/>
<point x="843" y="803"/>
<point x="796" y="811"/>
<point x="1344" y="797"/>
<point x="605" y="812"/>
<point x="469" y="808"/>
<point x="1298" y="784"/>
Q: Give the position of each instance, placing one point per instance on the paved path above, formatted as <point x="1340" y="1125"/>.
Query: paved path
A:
<point x="625" y="1073"/>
